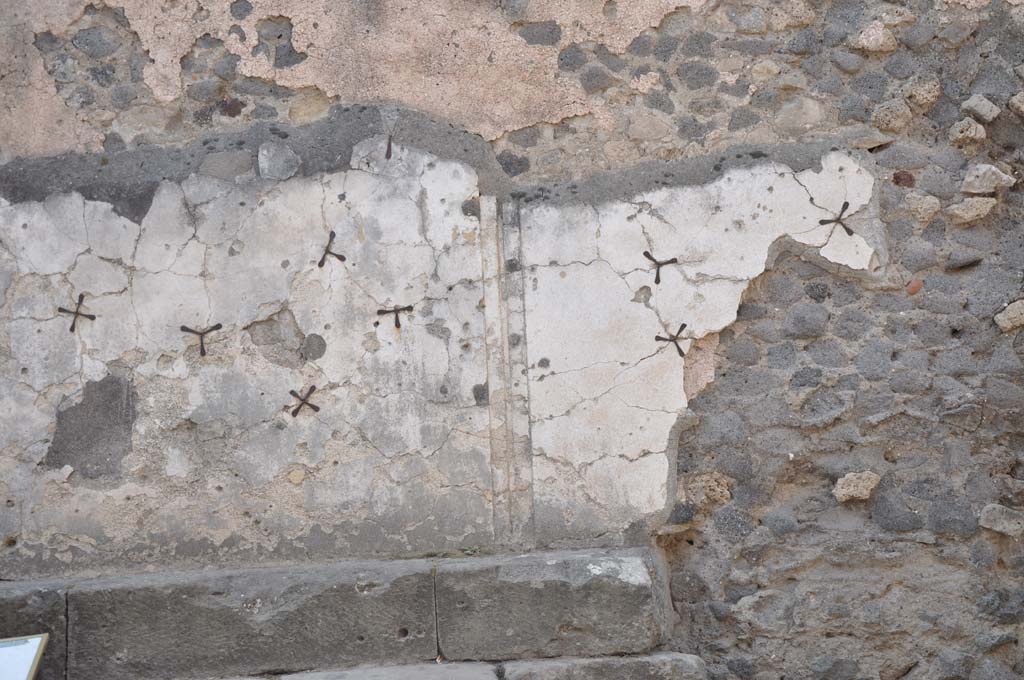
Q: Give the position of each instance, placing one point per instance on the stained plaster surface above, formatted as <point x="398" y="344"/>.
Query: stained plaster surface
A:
<point x="452" y="59"/>
<point x="524" y="399"/>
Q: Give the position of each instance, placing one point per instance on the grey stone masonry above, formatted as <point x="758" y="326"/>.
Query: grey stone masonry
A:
<point x="660" y="666"/>
<point x="293" y="619"/>
<point x="252" y="621"/>
<point x="35" y="609"/>
<point x="555" y="604"/>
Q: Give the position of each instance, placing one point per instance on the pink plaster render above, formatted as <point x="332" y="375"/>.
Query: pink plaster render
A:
<point x="461" y="61"/>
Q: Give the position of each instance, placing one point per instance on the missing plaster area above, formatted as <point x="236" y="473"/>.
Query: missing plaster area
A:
<point x="95" y="435"/>
<point x="275" y="42"/>
<point x="98" y="64"/>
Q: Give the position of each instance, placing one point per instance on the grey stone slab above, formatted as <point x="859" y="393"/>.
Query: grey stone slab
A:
<point x="226" y="164"/>
<point x="552" y="604"/>
<point x="35" y="609"/>
<point x="660" y="666"/>
<point x="269" y="621"/>
<point x="664" y="666"/>
<point x="431" y="671"/>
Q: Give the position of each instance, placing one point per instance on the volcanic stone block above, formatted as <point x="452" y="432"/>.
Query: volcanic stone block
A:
<point x="660" y="666"/>
<point x="431" y="671"/>
<point x="552" y="604"/>
<point x="31" y="610"/>
<point x="252" y="621"/>
<point x="663" y="666"/>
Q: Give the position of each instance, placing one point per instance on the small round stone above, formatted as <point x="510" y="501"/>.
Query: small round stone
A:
<point x="97" y="42"/>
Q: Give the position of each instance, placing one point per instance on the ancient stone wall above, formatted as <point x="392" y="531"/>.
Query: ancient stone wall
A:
<point x="290" y="281"/>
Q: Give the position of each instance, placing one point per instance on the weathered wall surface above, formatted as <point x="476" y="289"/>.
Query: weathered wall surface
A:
<point x="825" y="193"/>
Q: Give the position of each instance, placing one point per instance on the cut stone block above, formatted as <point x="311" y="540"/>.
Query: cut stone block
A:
<point x="251" y="622"/>
<point x="665" y="666"/>
<point x="661" y="666"/>
<point x="430" y="671"/>
<point x="32" y="610"/>
<point x="552" y="604"/>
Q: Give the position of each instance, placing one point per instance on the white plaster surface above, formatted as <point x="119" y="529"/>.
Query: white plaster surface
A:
<point x="604" y="395"/>
<point x="404" y="454"/>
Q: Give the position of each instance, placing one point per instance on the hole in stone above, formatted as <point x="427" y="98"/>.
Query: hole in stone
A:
<point x="403" y="633"/>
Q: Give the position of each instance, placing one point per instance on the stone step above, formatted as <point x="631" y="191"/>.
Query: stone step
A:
<point x="280" y="620"/>
<point x="658" y="666"/>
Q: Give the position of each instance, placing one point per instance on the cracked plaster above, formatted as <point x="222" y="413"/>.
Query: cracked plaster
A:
<point x="449" y="59"/>
<point x="405" y="454"/>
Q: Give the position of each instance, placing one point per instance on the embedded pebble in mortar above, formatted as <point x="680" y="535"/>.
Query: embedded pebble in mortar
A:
<point x="855" y="486"/>
<point x="1002" y="519"/>
<point x="985" y="179"/>
<point x="967" y="131"/>
<point x="923" y="92"/>
<point x="892" y="116"/>
<point x="1012" y="317"/>
<point x="1016" y="104"/>
<point x="981" y="108"/>
<point x="875" y="38"/>
<point x="970" y="210"/>
<point x="277" y="161"/>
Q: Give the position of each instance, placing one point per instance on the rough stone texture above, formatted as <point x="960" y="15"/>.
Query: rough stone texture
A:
<point x="660" y="666"/>
<point x="855" y="486"/>
<point x="971" y="210"/>
<point x="1012" y="317"/>
<point x="818" y="369"/>
<point x="664" y="666"/>
<point x="31" y="610"/>
<point x="432" y="671"/>
<point x="252" y="622"/>
<point x="1016" y="104"/>
<point x="986" y="179"/>
<point x="892" y="116"/>
<point x="277" y="161"/>
<point x="966" y="132"/>
<point x="981" y="108"/>
<point x="1002" y="519"/>
<point x="554" y="604"/>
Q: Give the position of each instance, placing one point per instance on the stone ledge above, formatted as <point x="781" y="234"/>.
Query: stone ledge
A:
<point x="555" y="604"/>
<point x="661" y="666"/>
<point x="290" y="619"/>
<point x="31" y="609"/>
<point x="254" y="621"/>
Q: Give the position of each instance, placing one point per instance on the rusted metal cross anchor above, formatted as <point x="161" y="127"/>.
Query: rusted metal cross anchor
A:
<point x="395" y="311"/>
<point x="327" y="251"/>
<point x="839" y="219"/>
<point x="77" y="313"/>
<point x="304" y="401"/>
<point x="658" y="265"/>
<point x="202" y="336"/>
<point x="674" y="339"/>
